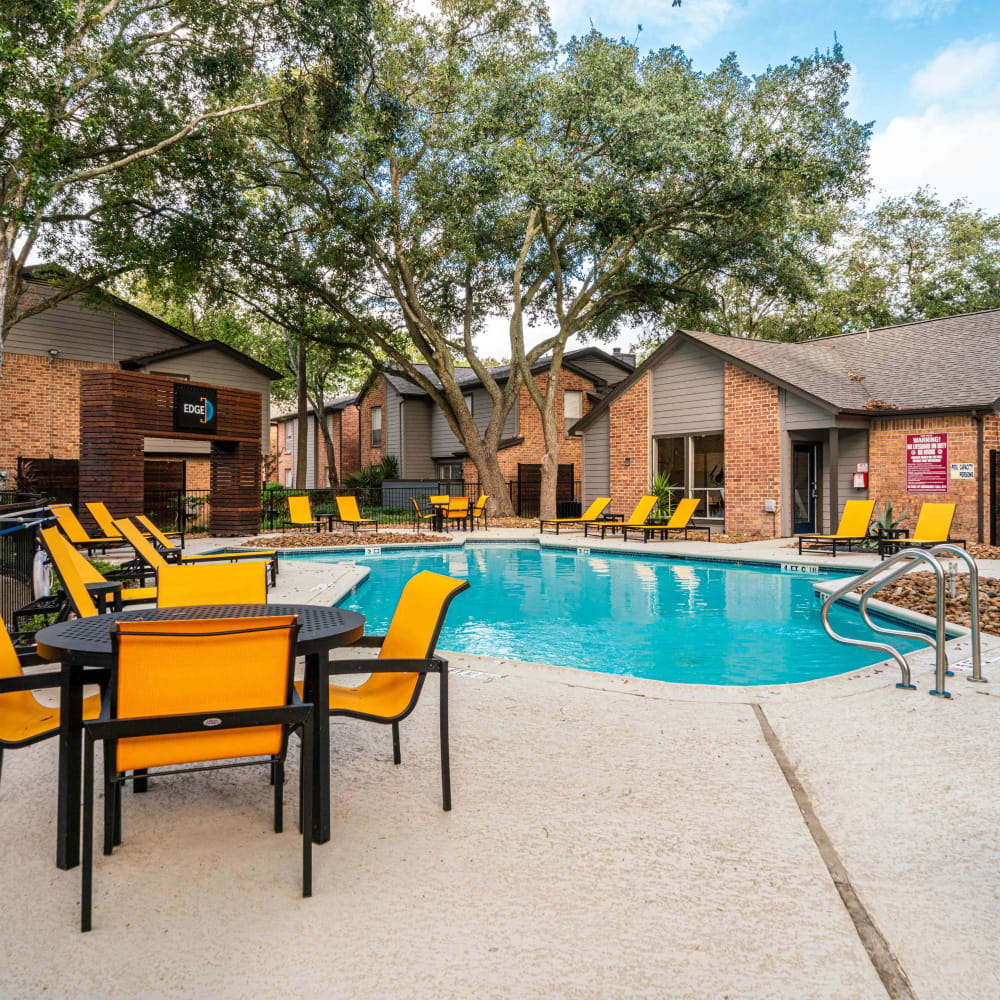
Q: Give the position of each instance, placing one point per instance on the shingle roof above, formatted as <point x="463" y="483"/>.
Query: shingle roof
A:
<point x="289" y="409"/>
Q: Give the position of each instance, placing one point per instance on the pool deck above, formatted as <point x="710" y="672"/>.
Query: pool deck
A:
<point x="610" y="837"/>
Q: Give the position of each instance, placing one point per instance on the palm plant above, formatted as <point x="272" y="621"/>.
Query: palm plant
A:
<point x="663" y="488"/>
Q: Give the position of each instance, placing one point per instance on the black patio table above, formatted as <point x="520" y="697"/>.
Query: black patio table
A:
<point x="86" y="642"/>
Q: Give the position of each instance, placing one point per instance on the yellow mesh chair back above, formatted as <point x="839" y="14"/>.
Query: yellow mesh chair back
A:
<point x="70" y="523"/>
<point x="19" y="710"/>
<point x="104" y="518"/>
<point x="144" y="548"/>
<point x="683" y="512"/>
<point x="642" y="511"/>
<point x="205" y="665"/>
<point x="211" y="583"/>
<point x="480" y="507"/>
<point x="59" y="551"/>
<point x="300" y="510"/>
<point x="855" y="519"/>
<point x="412" y="634"/>
<point x="160" y="537"/>
<point x="934" y="522"/>
<point x="458" y="507"/>
<point x="596" y="509"/>
<point x="347" y="509"/>
<point x="439" y="498"/>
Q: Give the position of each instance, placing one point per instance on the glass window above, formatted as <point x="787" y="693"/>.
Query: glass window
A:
<point x="376" y="426"/>
<point x="288" y="435"/>
<point x="708" y="474"/>
<point x="288" y="477"/>
<point x="572" y="407"/>
<point x="671" y="455"/>
<point x="450" y="470"/>
<point x="469" y="399"/>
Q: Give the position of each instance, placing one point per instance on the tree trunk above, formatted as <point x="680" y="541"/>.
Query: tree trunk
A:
<point x="6" y="253"/>
<point x="553" y="448"/>
<point x="318" y="402"/>
<point x="491" y="481"/>
<point x="302" y="444"/>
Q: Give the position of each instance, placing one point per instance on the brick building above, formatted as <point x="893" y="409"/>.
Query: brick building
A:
<point x="342" y="422"/>
<point x="398" y="418"/>
<point x="45" y="354"/>
<point x="775" y="437"/>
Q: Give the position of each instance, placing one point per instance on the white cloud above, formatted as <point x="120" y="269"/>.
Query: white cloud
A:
<point x="962" y="65"/>
<point x="954" y="152"/>
<point x="918" y="10"/>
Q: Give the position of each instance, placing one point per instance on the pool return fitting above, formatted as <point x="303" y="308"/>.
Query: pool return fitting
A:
<point x="892" y="569"/>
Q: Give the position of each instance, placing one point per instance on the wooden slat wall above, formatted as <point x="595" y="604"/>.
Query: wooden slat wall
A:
<point x="119" y="409"/>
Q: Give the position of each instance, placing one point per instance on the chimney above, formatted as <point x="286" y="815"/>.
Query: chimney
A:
<point x="628" y="359"/>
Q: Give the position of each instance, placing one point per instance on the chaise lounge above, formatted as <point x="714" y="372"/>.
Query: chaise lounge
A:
<point x="853" y="528"/>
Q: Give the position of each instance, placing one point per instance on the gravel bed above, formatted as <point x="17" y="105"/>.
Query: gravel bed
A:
<point x="312" y="539"/>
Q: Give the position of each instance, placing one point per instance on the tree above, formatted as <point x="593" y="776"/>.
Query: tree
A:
<point x="115" y="124"/>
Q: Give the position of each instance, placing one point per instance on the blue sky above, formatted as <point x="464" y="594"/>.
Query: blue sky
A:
<point x="927" y="72"/>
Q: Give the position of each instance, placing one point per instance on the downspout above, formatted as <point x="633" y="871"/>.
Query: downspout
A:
<point x="980" y="486"/>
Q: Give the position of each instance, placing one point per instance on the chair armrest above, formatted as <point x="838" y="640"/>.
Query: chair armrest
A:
<point x="432" y="665"/>
<point x="369" y="641"/>
<point x="161" y="725"/>
<point x="31" y="682"/>
<point x="30" y="658"/>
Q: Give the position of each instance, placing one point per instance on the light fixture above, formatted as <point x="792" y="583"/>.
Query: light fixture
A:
<point x="53" y="353"/>
<point x="628" y="461"/>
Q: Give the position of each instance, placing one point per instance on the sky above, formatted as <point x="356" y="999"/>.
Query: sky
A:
<point x="926" y="73"/>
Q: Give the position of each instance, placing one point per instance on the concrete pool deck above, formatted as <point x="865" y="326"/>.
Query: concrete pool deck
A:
<point x="610" y="837"/>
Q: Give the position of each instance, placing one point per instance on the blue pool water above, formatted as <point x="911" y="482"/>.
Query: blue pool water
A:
<point x="667" y="619"/>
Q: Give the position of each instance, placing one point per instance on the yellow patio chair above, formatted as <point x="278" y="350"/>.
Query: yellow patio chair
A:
<point x="418" y="515"/>
<point x="210" y="693"/>
<point x="853" y="528"/>
<point x="591" y="514"/>
<point x="212" y="583"/>
<point x="933" y="528"/>
<point x="76" y="532"/>
<point x="680" y="520"/>
<point x="152" y="557"/>
<point x="348" y="513"/>
<point x="300" y="513"/>
<point x="80" y="578"/>
<point x="106" y="522"/>
<point x="439" y="498"/>
<point x="479" y="511"/>
<point x="457" y="510"/>
<point x="638" y="517"/>
<point x="406" y="656"/>
<point x="24" y="720"/>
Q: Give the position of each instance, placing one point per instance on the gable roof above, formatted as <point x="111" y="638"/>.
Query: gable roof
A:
<point x="937" y="364"/>
<point x="280" y="412"/>
<point x="141" y="360"/>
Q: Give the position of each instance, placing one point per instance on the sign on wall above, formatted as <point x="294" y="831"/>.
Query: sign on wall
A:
<point x="195" y="409"/>
<point x="926" y="463"/>
<point x="963" y="470"/>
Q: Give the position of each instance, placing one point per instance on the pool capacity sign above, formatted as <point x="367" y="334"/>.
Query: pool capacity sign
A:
<point x="926" y="463"/>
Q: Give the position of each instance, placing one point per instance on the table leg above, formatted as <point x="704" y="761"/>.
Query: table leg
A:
<point x="320" y="749"/>
<point x="70" y="766"/>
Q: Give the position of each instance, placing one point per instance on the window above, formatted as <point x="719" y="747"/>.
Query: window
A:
<point x="288" y="478"/>
<point x="451" y="471"/>
<point x="469" y="398"/>
<point x="288" y="436"/>
<point x="572" y="407"/>
<point x="376" y="426"/>
<point x="695" y="465"/>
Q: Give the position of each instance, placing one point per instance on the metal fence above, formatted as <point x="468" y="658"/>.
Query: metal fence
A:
<point x="179" y="510"/>
<point x="17" y="557"/>
<point x="526" y="498"/>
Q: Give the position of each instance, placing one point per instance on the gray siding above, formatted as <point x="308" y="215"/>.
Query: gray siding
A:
<point x="687" y="393"/>
<point x="390" y="423"/>
<point x="853" y="449"/>
<point x="417" y="462"/>
<point x="603" y="370"/>
<point x="311" y="429"/>
<point x="444" y="444"/>
<point x="218" y="368"/>
<point x="596" y="476"/>
<point x="801" y="415"/>
<point x="109" y="334"/>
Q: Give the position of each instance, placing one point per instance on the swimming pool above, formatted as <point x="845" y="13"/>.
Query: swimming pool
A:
<point x="677" y="620"/>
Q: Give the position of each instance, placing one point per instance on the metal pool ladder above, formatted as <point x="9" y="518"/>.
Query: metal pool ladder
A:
<point x="892" y="569"/>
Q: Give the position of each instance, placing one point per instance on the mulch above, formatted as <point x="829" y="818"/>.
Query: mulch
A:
<point x="916" y="592"/>
<point x="310" y="539"/>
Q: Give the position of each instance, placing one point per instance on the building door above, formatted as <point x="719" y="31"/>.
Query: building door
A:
<point x="804" y="489"/>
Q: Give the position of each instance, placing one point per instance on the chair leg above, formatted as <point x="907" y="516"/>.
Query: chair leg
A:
<point x="305" y="806"/>
<point x="396" y="757"/>
<point x="110" y="795"/>
<point x="445" y="759"/>
<point x="87" y="866"/>
<point x="278" y="776"/>
<point x="1" y="763"/>
<point x="140" y="785"/>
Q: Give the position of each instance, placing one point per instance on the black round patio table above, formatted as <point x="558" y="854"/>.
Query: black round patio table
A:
<point x="86" y="642"/>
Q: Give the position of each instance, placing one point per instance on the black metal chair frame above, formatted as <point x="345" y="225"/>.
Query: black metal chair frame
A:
<point x="419" y="516"/>
<point x="651" y="529"/>
<point x="179" y="558"/>
<point x="817" y="543"/>
<point x="108" y="729"/>
<point x="432" y="664"/>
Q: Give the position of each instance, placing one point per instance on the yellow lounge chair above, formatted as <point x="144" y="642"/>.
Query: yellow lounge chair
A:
<point x="196" y="695"/>
<point x="348" y="513"/>
<point x="479" y="511"/>
<point x="406" y="656"/>
<point x="680" y="520"/>
<point x="589" y="516"/>
<point x="106" y="522"/>
<point x="933" y="528"/>
<point x="152" y="557"/>
<point x="853" y="528"/>
<point x="300" y="513"/>
<point x="82" y="581"/>
<point x="77" y="534"/>
<point x="638" y="517"/>
<point x="23" y="719"/>
<point x="214" y="583"/>
<point x="161" y="538"/>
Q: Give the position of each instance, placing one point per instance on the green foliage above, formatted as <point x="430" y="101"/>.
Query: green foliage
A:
<point x="663" y="488"/>
<point x="370" y="477"/>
